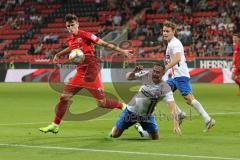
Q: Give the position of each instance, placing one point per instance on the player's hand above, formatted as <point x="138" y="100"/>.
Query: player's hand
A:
<point x="56" y="58"/>
<point x="128" y="53"/>
<point x="166" y="68"/>
<point x="138" y="69"/>
<point x="177" y="130"/>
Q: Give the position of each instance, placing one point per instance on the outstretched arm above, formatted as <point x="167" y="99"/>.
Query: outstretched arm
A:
<point x="131" y="75"/>
<point x="172" y="106"/>
<point x="113" y="47"/>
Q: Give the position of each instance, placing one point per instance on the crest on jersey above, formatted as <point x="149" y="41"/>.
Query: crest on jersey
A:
<point x="79" y="40"/>
<point x="167" y="58"/>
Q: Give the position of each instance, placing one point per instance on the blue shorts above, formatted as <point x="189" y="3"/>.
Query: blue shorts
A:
<point x="182" y="84"/>
<point x="128" y="118"/>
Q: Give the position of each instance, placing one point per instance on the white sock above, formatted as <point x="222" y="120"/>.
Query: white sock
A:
<point x="201" y="110"/>
<point x="144" y="133"/>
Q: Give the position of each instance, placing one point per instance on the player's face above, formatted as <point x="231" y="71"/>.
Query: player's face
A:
<point x="235" y="39"/>
<point x="157" y="73"/>
<point x="72" y="27"/>
<point x="168" y="33"/>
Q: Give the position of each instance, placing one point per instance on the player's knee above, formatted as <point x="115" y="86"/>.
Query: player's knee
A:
<point x="101" y="103"/>
<point x="155" y="137"/>
<point x="64" y="98"/>
<point x="116" y="133"/>
<point x="189" y="102"/>
<point x="189" y="98"/>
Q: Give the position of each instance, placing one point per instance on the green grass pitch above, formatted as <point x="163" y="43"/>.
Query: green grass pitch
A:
<point x="27" y="106"/>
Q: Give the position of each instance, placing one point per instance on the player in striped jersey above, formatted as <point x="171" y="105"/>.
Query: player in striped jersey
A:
<point x="140" y="109"/>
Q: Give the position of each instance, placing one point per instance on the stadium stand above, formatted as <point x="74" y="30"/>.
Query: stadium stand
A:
<point x="205" y="26"/>
<point x="204" y="29"/>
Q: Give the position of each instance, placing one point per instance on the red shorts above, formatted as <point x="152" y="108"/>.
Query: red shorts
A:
<point x="91" y="81"/>
<point x="97" y="93"/>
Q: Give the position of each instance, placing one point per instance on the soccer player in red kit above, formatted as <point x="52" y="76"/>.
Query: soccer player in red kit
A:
<point x="88" y="73"/>
<point x="236" y="61"/>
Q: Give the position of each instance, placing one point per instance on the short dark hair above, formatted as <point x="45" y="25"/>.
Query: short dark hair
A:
<point x="70" y="18"/>
<point x="170" y="25"/>
<point x="237" y="34"/>
<point x="161" y="64"/>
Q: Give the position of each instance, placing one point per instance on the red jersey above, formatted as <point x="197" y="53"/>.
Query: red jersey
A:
<point x="236" y="54"/>
<point x="84" y="41"/>
<point x="88" y="72"/>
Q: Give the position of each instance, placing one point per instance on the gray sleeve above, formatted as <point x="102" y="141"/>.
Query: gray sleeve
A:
<point x="167" y="93"/>
<point x="168" y="97"/>
<point x="166" y="88"/>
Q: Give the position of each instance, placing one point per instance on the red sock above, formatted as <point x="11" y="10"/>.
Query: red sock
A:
<point x="60" y="110"/>
<point x="111" y="104"/>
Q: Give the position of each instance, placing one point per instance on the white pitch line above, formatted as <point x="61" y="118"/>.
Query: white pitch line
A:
<point x="103" y="119"/>
<point x="226" y="113"/>
<point x="116" y="151"/>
